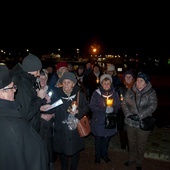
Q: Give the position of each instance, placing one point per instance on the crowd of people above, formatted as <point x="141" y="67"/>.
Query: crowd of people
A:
<point x="39" y="123"/>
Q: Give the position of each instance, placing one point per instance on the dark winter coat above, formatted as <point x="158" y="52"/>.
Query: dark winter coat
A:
<point x="98" y="108"/>
<point x="91" y="83"/>
<point x="68" y="141"/>
<point x="143" y="103"/>
<point x="26" y="96"/>
<point x="116" y="80"/>
<point x="21" y="148"/>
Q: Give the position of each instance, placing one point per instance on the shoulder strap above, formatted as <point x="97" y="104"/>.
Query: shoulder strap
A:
<point x="78" y="98"/>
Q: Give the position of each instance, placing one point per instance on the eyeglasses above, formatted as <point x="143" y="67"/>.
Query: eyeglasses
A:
<point x="13" y="87"/>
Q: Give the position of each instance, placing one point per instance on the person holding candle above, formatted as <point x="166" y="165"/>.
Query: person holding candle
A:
<point x="93" y="78"/>
<point x="127" y="82"/>
<point x="101" y="105"/>
<point x="67" y="141"/>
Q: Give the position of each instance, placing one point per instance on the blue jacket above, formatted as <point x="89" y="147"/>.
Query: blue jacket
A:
<point x="98" y="108"/>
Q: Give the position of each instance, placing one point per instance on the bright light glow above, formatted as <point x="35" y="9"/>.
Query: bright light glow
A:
<point x="119" y="69"/>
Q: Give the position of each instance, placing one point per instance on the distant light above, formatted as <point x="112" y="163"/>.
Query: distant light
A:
<point x="94" y="49"/>
<point x="168" y="61"/>
<point x="119" y="69"/>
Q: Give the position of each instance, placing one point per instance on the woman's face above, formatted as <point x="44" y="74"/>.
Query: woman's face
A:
<point x="96" y="69"/>
<point x="140" y="83"/>
<point x="106" y="84"/>
<point x="61" y="71"/>
<point x="80" y="71"/>
<point x="128" y="78"/>
<point x="43" y="80"/>
<point x="67" y="85"/>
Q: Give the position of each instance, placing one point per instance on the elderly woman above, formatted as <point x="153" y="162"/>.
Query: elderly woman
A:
<point x="99" y="108"/>
<point x="139" y="102"/>
<point x="67" y="141"/>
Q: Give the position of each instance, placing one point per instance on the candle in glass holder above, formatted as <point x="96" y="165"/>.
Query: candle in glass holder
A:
<point x="109" y="102"/>
<point x="74" y="106"/>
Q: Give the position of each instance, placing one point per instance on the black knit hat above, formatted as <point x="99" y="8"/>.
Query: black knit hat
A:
<point x="68" y="75"/>
<point x="144" y="76"/>
<point x="5" y="78"/>
<point x="31" y="63"/>
<point x="128" y="72"/>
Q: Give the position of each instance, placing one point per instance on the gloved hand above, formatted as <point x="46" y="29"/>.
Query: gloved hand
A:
<point x="134" y="117"/>
<point x="109" y="109"/>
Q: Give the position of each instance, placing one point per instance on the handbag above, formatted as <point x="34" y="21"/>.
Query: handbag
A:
<point x="148" y="123"/>
<point x="83" y="126"/>
<point x="110" y="121"/>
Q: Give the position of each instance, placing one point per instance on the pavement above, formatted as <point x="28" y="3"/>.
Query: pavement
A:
<point x="157" y="155"/>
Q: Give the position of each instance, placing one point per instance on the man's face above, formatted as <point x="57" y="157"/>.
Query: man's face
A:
<point x="35" y="73"/>
<point x="7" y="93"/>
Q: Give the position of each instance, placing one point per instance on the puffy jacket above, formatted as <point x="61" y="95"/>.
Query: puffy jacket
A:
<point x="143" y="103"/>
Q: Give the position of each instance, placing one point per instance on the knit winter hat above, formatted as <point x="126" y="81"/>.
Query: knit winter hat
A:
<point x="144" y="76"/>
<point x="5" y="78"/>
<point x="110" y="67"/>
<point x="61" y="64"/>
<point x="31" y="63"/>
<point x="68" y="75"/>
<point x="104" y="76"/>
<point x="128" y="72"/>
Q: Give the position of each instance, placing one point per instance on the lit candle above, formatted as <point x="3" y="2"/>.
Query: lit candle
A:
<point x="97" y="80"/>
<point x="109" y="102"/>
<point x="121" y="97"/>
<point x="74" y="106"/>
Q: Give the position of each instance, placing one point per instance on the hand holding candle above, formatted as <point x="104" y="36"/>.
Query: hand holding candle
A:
<point x="109" y="102"/>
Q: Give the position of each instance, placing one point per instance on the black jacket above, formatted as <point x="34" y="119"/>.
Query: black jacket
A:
<point x="21" y="147"/>
<point x="68" y="141"/>
<point x="26" y="96"/>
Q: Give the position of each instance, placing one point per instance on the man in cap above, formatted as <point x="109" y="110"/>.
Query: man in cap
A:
<point x="20" y="146"/>
<point x="29" y="96"/>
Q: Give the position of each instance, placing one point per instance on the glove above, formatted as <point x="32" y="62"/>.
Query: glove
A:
<point x="134" y="117"/>
<point x="109" y="109"/>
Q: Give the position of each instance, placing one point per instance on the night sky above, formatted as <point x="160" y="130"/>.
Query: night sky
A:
<point x="73" y="25"/>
